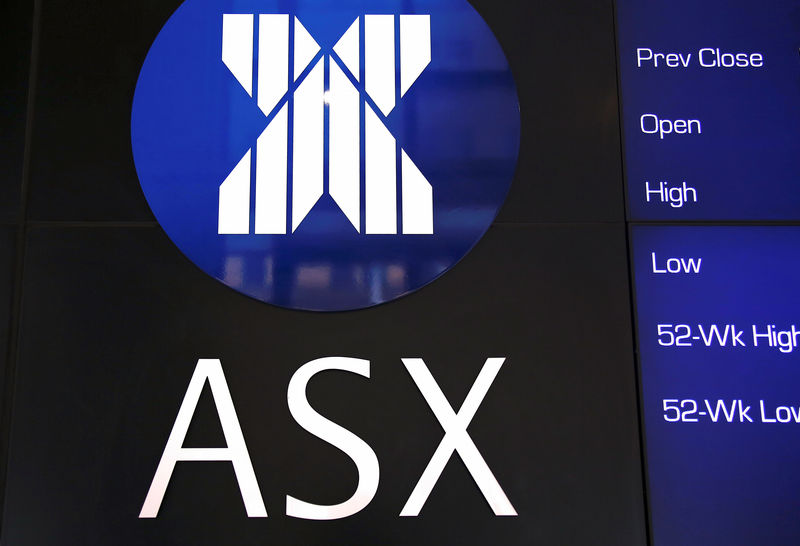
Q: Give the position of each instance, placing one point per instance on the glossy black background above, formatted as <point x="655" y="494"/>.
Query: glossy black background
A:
<point x="15" y="37"/>
<point x="111" y="320"/>
<point x="561" y="53"/>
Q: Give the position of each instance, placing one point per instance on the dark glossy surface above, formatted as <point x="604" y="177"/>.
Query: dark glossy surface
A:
<point x="115" y="320"/>
<point x="15" y="49"/>
<point x="90" y="54"/>
<point x="561" y="55"/>
<point x="7" y="262"/>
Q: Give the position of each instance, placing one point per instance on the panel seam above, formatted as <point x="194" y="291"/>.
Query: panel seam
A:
<point x="22" y="232"/>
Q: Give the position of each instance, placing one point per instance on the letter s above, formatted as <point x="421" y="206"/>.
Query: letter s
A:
<point x="354" y="447"/>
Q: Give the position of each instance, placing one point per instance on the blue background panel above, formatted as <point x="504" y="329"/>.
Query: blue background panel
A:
<point x="717" y="482"/>
<point x="746" y="163"/>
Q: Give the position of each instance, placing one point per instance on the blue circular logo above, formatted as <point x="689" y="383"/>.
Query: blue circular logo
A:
<point x="325" y="155"/>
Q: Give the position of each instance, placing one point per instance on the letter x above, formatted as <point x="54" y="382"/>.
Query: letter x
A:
<point x="456" y="438"/>
<point x="296" y="73"/>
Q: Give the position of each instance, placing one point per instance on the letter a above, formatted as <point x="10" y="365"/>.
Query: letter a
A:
<point x="236" y="452"/>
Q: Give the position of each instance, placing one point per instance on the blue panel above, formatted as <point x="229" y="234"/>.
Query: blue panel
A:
<point x="192" y="122"/>
<point x="743" y="161"/>
<point x="712" y="481"/>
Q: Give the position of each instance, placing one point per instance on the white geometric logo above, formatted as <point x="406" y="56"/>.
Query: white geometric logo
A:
<point x="326" y="94"/>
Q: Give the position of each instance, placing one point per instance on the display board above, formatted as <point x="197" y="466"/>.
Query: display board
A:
<point x="428" y="272"/>
<point x="709" y="95"/>
<point x="717" y="337"/>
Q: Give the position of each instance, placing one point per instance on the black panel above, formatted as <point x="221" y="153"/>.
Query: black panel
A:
<point x="115" y="319"/>
<point x="7" y="255"/>
<point x="562" y="56"/>
<point x="91" y="53"/>
<point x="15" y="50"/>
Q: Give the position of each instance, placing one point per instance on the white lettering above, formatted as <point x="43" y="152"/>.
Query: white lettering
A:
<point x="456" y="438"/>
<point x="651" y="124"/>
<point x="354" y="447"/>
<point x="236" y="452"/>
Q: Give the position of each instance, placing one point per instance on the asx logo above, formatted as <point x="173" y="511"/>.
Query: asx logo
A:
<point x="454" y="423"/>
<point x="318" y="102"/>
<point x="325" y="156"/>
